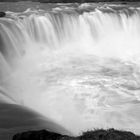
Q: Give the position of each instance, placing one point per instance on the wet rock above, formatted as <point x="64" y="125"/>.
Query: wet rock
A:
<point x="37" y="135"/>
<point x="2" y="14"/>
<point x="124" y="3"/>
<point x="110" y="134"/>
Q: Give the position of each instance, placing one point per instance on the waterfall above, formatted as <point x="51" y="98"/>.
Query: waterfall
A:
<point x="78" y="66"/>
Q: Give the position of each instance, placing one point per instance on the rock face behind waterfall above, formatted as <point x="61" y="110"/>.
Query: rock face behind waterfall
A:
<point x="110" y="134"/>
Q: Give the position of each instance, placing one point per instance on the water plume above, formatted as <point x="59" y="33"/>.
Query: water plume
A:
<point x="80" y="67"/>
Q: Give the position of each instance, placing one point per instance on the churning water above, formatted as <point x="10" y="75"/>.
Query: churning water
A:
<point x="76" y="64"/>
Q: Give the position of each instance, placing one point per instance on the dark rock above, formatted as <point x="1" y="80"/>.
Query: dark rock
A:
<point x="2" y="14"/>
<point x="37" y="135"/>
<point x="124" y="3"/>
<point x="110" y="134"/>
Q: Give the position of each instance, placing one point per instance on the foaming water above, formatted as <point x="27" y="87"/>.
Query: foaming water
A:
<point x="78" y="66"/>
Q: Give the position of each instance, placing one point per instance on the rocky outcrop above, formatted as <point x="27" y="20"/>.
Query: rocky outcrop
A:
<point x="37" y="135"/>
<point x="110" y="134"/>
<point x="2" y="14"/>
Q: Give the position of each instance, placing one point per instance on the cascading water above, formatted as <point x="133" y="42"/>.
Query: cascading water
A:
<point x="79" y="66"/>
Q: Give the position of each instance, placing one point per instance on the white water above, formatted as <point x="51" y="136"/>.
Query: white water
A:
<point x="81" y="70"/>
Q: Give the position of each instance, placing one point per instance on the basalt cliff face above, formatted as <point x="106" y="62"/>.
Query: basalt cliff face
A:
<point x="101" y="134"/>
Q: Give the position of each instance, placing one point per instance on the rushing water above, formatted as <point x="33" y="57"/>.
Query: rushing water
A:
<point x="76" y="64"/>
